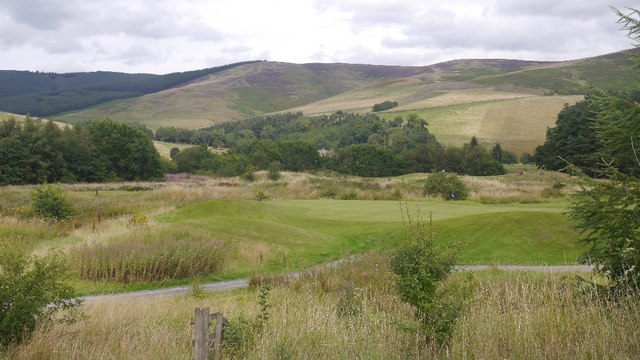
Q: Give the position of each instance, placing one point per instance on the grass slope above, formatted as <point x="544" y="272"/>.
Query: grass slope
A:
<point x="238" y="93"/>
<point x="518" y="124"/>
<point x="607" y="72"/>
<point x="300" y="233"/>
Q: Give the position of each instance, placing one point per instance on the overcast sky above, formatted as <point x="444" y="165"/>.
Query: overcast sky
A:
<point x="161" y="36"/>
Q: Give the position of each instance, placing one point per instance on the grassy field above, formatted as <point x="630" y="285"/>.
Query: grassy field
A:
<point x="142" y="235"/>
<point x="298" y="233"/>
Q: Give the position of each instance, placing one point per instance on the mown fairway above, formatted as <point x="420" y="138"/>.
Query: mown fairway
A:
<point x="299" y="233"/>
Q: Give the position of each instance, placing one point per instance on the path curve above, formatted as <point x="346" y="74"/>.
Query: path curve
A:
<point x="244" y="283"/>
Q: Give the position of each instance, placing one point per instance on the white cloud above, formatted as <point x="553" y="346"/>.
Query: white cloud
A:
<point x="163" y="35"/>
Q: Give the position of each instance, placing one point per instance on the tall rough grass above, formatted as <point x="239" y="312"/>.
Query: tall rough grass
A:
<point x="351" y="311"/>
<point x="149" y="256"/>
<point x="546" y="317"/>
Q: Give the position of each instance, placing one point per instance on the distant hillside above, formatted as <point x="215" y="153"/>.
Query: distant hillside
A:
<point x="268" y="87"/>
<point x="498" y="100"/>
<point x="607" y="72"/>
<point x="243" y="92"/>
<point x="44" y="94"/>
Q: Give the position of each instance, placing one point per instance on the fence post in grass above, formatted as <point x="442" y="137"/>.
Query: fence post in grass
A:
<point x="201" y="341"/>
<point x="218" y="333"/>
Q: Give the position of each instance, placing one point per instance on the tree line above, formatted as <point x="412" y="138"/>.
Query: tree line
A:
<point x="584" y="138"/>
<point x="35" y="152"/>
<point x="357" y="144"/>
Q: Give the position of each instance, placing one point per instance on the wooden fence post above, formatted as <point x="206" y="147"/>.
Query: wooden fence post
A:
<point x="201" y="341"/>
<point x="218" y="333"/>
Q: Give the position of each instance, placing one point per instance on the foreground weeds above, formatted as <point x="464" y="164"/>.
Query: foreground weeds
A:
<point x="546" y="317"/>
<point x="351" y="311"/>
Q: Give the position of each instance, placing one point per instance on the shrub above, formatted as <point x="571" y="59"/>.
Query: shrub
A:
<point x="174" y="152"/>
<point x="261" y="196"/>
<point x="138" y="221"/>
<point x="249" y="174"/>
<point x="385" y="105"/>
<point x="240" y="333"/>
<point x="447" y="185"/>
<point x="421" y="267"/>
<point x="273" y="173"/>
<point x="32" y="291"/>
<point x="351" y="195"/>
<point x="553" y="191"/>
<point x="50" y="202"/>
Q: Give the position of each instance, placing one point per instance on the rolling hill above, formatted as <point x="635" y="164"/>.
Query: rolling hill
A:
<point x="497" y="100"/>
<point x="242" y="92"/>
<point x="44" y="94"/>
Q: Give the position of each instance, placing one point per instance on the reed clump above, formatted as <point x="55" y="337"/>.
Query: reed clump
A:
<point x="149" y="256"/>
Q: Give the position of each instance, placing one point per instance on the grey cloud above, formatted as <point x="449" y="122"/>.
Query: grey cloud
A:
<point x="383" y="15"/>
<point x="60" y="27"/>
<point x="512" y="31"/>
<point x="367" y="15"/>
<point x="136" y="55"/>
<point x="575" y="9"/>
<point x="41" y="14"/>
<point x="156" y="25"/>
<point x="363" y="55"/>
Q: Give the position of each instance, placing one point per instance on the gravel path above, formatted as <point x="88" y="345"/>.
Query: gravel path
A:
<point x="244" y="283"/>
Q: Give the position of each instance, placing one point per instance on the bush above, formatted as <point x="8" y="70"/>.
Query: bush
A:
<point x="249" y="174"/>
<point x="32" y="291"/>
<point x="50" y="202"/>
<point x="273" y="173"/>
<point x="385" y="105"/>
<point x="448" y="186"/>
<point x="350" y="195"/>
<point x="241" y="332"/>
<point x="421" y="268"/>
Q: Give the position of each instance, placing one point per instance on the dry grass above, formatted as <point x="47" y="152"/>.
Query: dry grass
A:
<point x="523" y="186"/>
<point x="518" y="124"/>
<point x="463" y="96"/>
<point x="147" y="255"/>
<point x="546" y="317"/>
<point x="351" y="311"/>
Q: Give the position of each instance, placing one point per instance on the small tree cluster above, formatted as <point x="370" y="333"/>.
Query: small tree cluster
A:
<point x="446" y="185"/>
<point x="385" y="105"/>
<point x="50" y="202"/>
